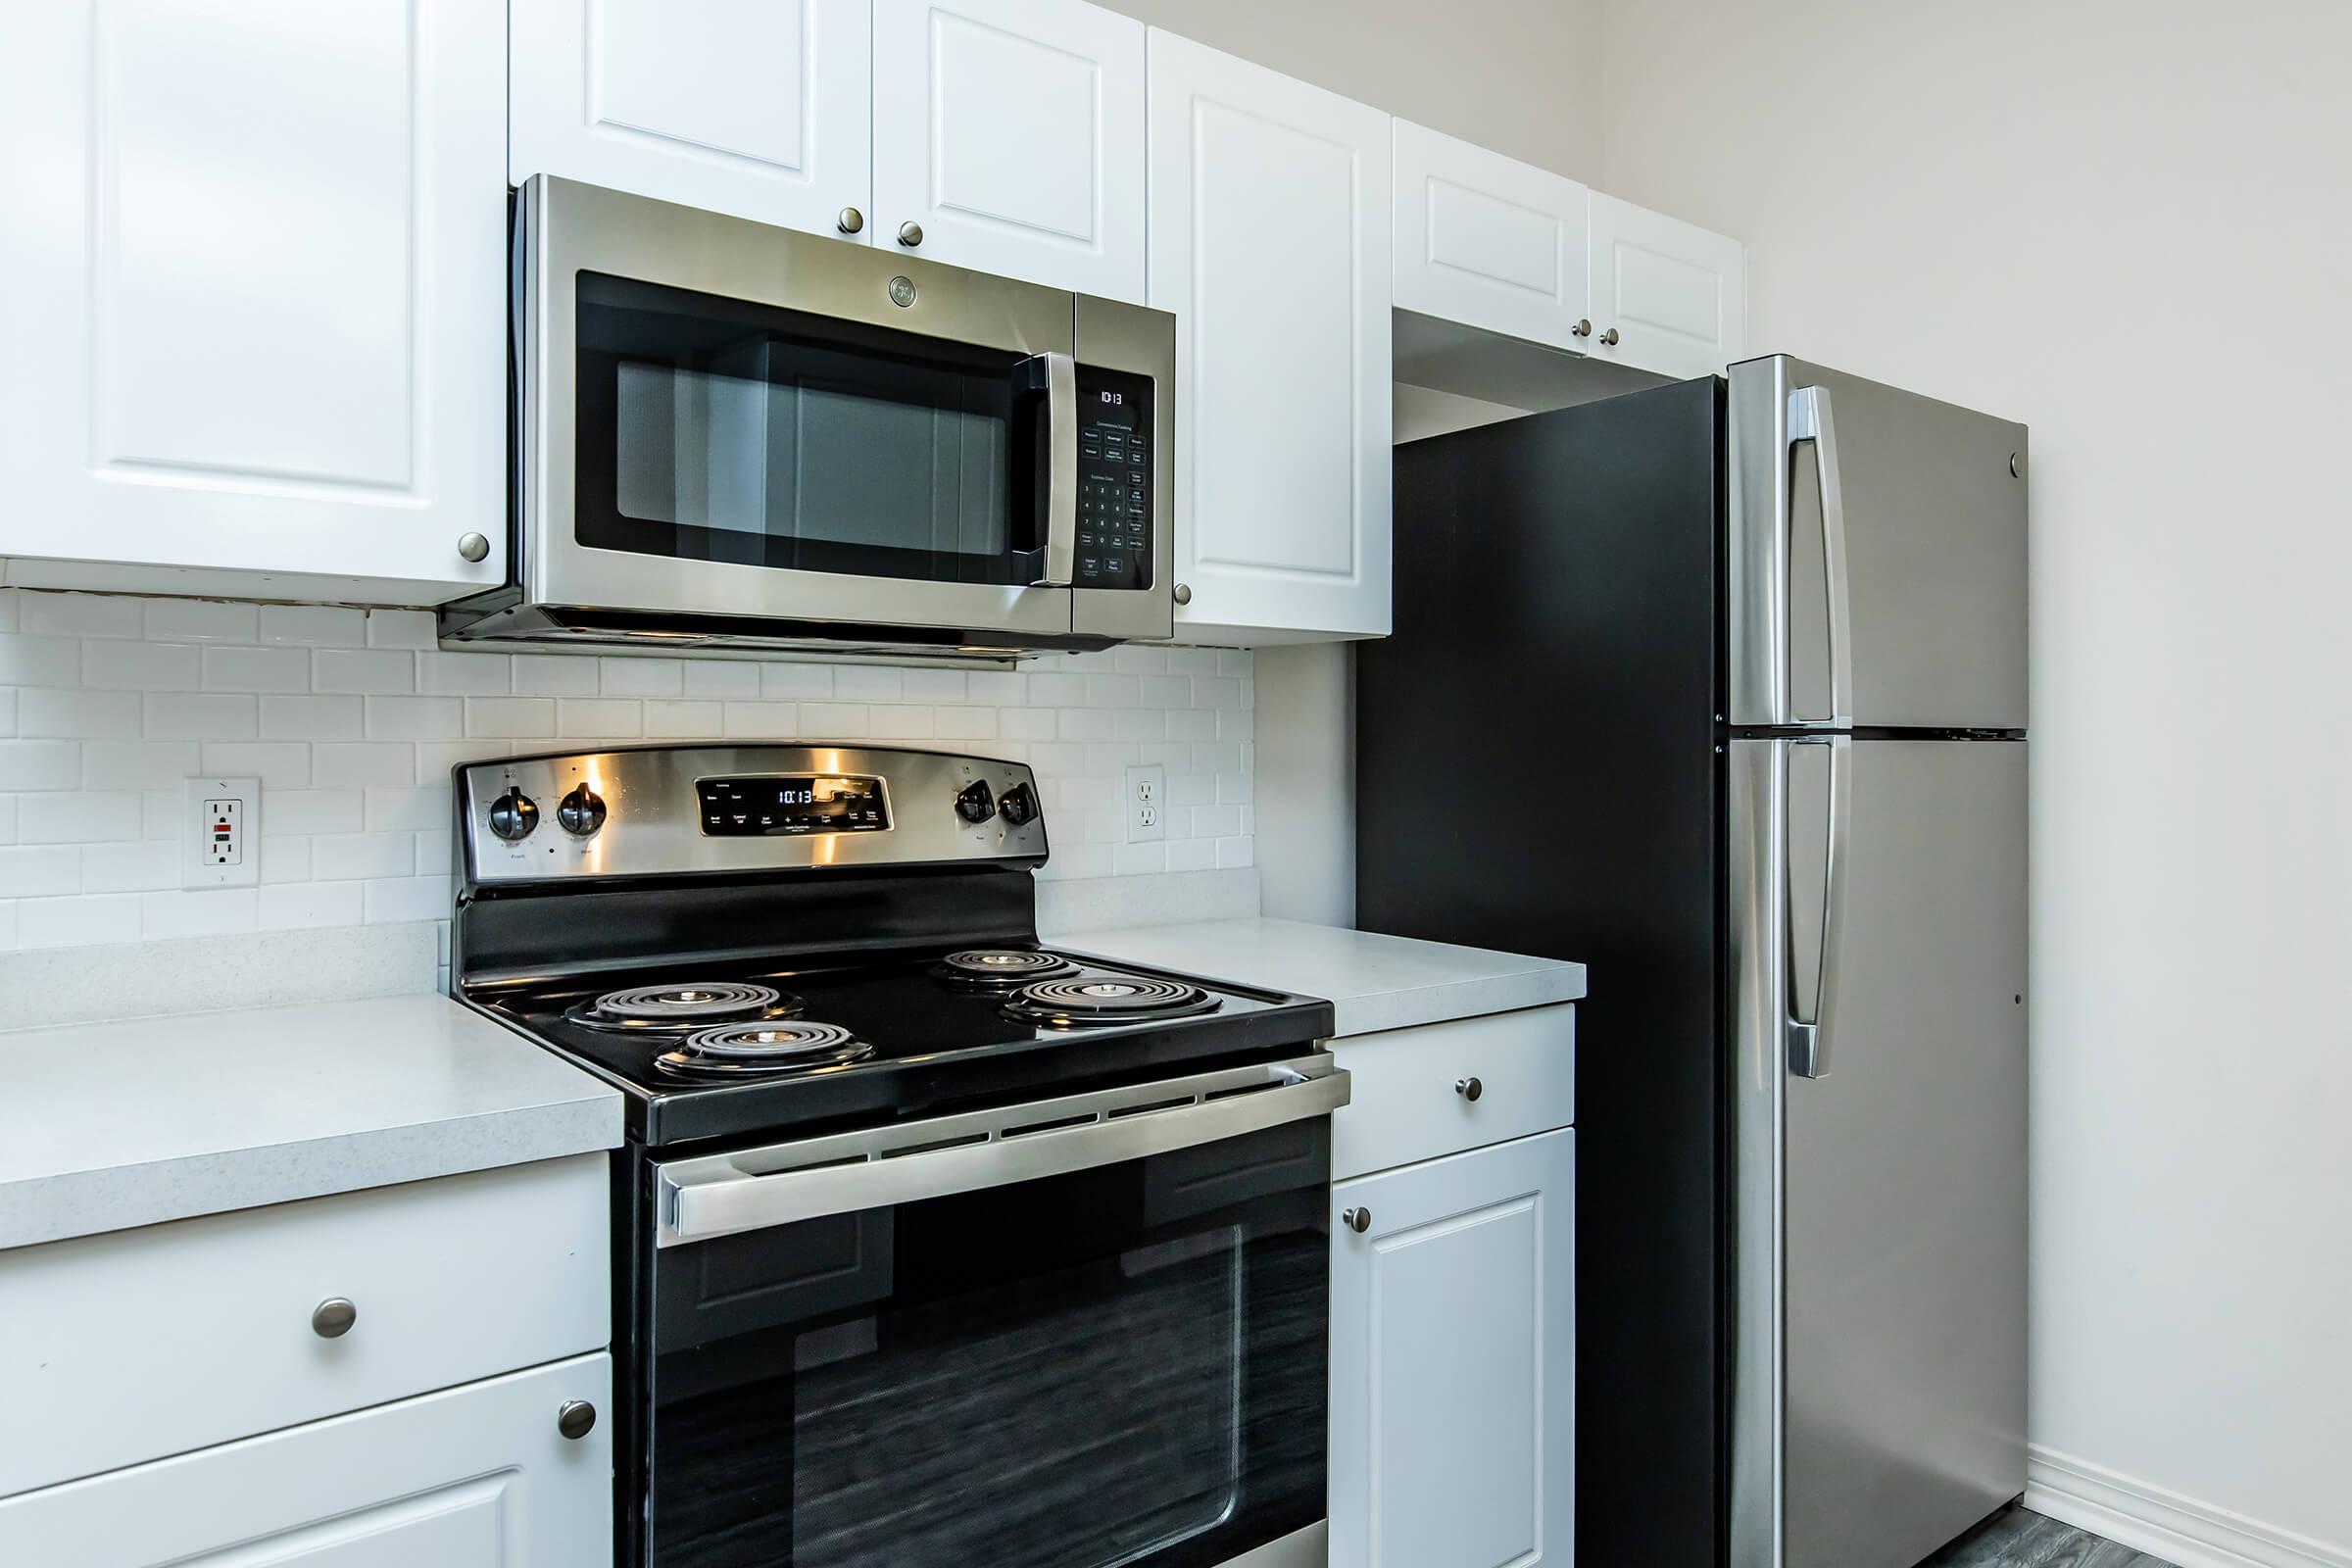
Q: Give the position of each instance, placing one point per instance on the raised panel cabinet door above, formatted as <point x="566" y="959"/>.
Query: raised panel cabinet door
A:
<point x="1675" y="294"/>
<point x="1009" y="137"/>
<point x="256" y="250"/>
<point x="1270" y="242"/>
<point x="1489" y="241"/>
<point x="474" y="1476"/>
<point x="755" y="108"/>
<point x="1453" y="1361"/>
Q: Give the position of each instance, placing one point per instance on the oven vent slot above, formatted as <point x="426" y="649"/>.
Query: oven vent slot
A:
<point x="931" y="1148"/>
<point x="795" y="1168"/>
<point x="1247" y="1089"/>
<point x="1088" y="1119"/>
<point x="1124" y="1112"/>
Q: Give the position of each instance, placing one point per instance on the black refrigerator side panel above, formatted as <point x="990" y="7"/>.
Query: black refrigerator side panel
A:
<point x="1536" y="772"/>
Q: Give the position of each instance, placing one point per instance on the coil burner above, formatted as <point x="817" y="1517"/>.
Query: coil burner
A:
<point x="1082" y="1004"/>
<point x="763" y="1050"/>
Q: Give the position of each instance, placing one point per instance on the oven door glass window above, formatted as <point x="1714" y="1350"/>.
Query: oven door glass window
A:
<point x="712" y="429"/>
<point x="1117" y="1366"/>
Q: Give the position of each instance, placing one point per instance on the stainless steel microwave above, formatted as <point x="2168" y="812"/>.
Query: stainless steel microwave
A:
<point x="734" y="436"/>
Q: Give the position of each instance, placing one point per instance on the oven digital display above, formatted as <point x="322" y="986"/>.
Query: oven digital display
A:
<point x="792" y="803"/>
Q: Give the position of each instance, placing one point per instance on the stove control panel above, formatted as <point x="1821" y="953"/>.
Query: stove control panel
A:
<point x="672" y="811"/>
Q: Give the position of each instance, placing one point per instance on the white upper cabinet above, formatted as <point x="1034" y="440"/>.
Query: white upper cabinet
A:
<point x="1488" y="241"/>
<point x="1453" y="1360"/>
<point x="1270" y="241"/>
<point x="257" y="254"/>
<point x="758" y="107"/>
<point x="1667" y="296"/>
<point x="1009" y="137"/>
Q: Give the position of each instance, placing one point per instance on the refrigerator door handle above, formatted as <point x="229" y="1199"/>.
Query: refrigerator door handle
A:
<point x="1811" y="417"/>
<point x="1810" y="1017"/>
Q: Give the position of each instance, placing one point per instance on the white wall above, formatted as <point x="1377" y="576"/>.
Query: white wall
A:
<point x="2125" y="223"/>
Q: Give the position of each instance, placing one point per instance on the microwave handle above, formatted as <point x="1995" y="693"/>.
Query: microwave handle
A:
<point x="1060" y="568"/>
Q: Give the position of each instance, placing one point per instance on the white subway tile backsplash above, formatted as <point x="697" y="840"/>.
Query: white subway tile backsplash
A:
<point x="313" y="626"/>
<point x="141" y="667"/>
<point x="85" y="615"/>
<point x="201" y="715"/>
<point x="353" y="722"/>
<point x="255" y="669"/>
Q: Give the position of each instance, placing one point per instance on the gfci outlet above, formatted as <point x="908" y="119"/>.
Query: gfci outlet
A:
<point x="223" y="817"/>
<point x="1147" y="802"/>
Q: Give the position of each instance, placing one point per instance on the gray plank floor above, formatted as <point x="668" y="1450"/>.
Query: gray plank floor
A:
<point x="2020" y="1539"/>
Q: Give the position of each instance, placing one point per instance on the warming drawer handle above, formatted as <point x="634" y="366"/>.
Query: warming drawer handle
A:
<point x="720" y="1195"/>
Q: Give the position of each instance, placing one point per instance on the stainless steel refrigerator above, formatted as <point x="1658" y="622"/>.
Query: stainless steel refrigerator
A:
<point x="1720" y="688"/>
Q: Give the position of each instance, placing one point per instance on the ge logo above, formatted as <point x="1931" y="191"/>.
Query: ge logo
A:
<point x="1114" y="399"/>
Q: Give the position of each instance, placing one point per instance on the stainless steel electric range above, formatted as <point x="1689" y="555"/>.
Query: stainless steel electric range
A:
<point x="932" y="1246"/>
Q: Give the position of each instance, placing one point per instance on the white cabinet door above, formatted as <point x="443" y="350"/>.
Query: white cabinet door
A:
<point x="1675" y="295"/>
<point x="1453" y="1360"/>
<point x="758" y="107"/>
<point x="1009" y="137"/>
<point x="1488" y="241"/>
<point x="1270" y="241"/>
<point x="256" y="251"/>
<point x="476" y="1477"/>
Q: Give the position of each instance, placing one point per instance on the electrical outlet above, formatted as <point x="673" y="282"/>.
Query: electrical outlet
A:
<point x="223" y="817"/>
<point x="1147" y="802"/>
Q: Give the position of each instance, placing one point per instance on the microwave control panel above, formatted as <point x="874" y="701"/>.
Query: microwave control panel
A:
<point x="1114" y="479"/>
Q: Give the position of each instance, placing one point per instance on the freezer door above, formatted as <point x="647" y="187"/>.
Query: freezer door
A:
<point x="1878" y="928"/>
<point x="1877" y="556"/>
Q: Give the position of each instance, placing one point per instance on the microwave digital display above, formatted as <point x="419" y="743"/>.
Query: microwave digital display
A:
<point x="792" y="803"/>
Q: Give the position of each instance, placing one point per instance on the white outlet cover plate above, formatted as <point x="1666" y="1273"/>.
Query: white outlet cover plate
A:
<point x="198" y="871"/>
<point x="1147" y="802"/>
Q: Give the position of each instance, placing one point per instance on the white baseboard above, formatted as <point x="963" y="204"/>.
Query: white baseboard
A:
<point x="2164" y="1524"/>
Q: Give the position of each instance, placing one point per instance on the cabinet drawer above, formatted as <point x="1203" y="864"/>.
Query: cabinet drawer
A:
<point x="127" y="1347"/>
<point x="1406" y="1106"/>
<point x="479" y="1477"/>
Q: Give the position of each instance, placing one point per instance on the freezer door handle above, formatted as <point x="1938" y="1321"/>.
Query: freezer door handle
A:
<point x="1811" y="417"/>
<point x="1813" y="999"/>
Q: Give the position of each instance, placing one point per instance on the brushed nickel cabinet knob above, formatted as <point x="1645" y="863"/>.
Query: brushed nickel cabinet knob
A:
<point x="575" y="1419"/>
<point x="1583" y="328"/>
<point x="333" y="1317"/>
<point x="851" y="221"/>
<point x="1609" y="337"/>
<point x="1469" y="1088"/>
<point x="1184" y="593"/>
<point x="473" y="546"/>
<point x="1358" y="1220"/>
<point x="910" y="234"/>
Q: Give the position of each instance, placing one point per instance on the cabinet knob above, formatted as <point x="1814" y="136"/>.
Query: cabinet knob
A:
<point x="851" y="221"/>
<point x="1469" y="1088"/>
<point x="1358" y="1220"/>
<point x="575" y="1419"/>
<point x="1583" y="328"/>
<point x="910" y="234"/>
<point x="1184" y="593"/>
<point x="1609" y="337"/>
<point x="473" y="546"/>
<point x="333" y="1317"/>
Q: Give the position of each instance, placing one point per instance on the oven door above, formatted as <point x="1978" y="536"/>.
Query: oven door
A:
<point x="735" y="430"/>
<point x="1079" y="1334"/>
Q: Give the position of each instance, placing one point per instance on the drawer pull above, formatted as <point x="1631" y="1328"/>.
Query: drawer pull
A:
<point x="333" y="1317"/>
<point x="1469" y="1088"/>
<point x="575" y="1419"/>
<point x="1358" y="1220"/>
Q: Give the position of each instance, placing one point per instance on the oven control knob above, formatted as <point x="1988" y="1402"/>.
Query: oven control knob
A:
<point x="1018" y="806"/>
<point x="581" y="812"/>
<point x="513" y="815"/>
<point x="974" y="803"/>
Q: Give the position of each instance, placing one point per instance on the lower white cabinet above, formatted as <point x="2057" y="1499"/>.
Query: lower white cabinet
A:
<point x="476" y="1477"/>
<point x="1453" y="1360"/>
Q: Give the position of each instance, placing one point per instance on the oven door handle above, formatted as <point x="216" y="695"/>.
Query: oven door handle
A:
<point x="752" y="1188"/>
<point x="1060" y="568"/>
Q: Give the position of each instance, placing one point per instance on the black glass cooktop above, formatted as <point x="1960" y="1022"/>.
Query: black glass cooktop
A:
<point x="915" y="1034"/>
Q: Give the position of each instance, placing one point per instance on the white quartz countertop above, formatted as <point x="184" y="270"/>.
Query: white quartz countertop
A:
<point x="1373" y="982"/>
<point x="105" y="1126"/>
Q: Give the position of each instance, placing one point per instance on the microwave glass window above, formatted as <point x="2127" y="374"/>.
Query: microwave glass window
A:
<point x="711" y="430"/>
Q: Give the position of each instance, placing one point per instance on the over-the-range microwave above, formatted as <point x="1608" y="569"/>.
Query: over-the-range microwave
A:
<point x="734" y="437"/>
